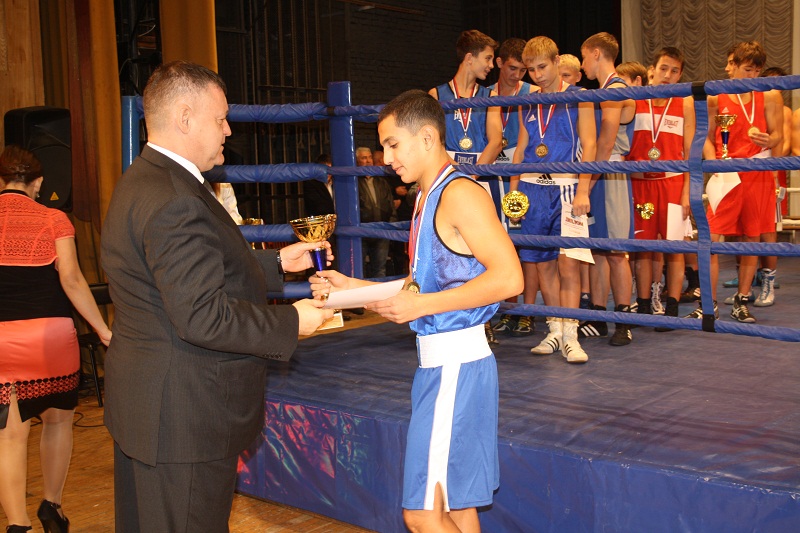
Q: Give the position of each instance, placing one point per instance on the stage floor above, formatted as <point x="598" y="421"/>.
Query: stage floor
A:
<point x="680" y="431"/>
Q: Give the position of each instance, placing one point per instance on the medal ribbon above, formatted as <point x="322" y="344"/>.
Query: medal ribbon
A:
<point x="750" y="118"/>
<point x="507" y="110"/>
<point x="605" y="83"/>
<point x="419" y="214"/>
<point x="464" y="115"/>
<point x="543" y="129"/>
<point x="655" y="130"/>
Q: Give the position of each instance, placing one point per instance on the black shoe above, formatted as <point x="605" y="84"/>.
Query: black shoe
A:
<point x="671" y="309"/>
<point x="622" y="332"/>
<point x="593" y="328"/>
<point x="740" y="312"/>
<point x="505" y="325"/>
<point x="18" y="529"/>
<point x="52" y="520"/>
<point x="524" y="327"/>
<point x="692" y="292"/>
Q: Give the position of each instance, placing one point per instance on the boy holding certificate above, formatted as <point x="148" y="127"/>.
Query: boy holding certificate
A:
<point x="462" y="263"/>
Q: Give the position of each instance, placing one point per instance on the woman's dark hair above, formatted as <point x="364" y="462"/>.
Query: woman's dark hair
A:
<point x="18" y="165"/>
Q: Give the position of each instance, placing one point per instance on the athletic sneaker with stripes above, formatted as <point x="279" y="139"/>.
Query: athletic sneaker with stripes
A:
<point x="740" y="312"/>
<point x="571" y="349"/>
<point x="698" y="313"/>
<point x="767" y="296"/>
<point x="505" y="325"/>
<point x="593" y="328"/>
<point x="552" y="342"/>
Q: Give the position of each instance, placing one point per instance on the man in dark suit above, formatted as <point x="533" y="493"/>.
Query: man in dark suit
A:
<point x="193" y="331"/>
<point x="318" y="196"/>
<point x="376" y="205"/>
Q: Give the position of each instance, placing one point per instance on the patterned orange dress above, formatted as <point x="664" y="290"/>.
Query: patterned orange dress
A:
<point x="39" y="355"/>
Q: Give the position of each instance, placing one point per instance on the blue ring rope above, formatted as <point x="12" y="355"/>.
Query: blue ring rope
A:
<point x="291" y="172"/>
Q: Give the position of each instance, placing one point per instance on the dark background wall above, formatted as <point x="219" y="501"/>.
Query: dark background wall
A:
<point x="287" y="51"/>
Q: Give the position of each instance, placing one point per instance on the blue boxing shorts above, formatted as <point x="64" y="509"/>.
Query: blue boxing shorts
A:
<point x="544" y="215"/>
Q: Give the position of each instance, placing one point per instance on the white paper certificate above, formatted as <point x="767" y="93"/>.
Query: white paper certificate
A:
<point x="363" y="295"/>
<point x="572" y="226"/>
<point x="676" y="224"/>
<point x="719" y="185"/>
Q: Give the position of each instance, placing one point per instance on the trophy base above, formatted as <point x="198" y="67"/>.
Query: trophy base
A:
<point x="336" y="321"/>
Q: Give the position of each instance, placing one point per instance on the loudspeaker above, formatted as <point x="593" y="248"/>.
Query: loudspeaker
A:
<point x="45" y="131"/>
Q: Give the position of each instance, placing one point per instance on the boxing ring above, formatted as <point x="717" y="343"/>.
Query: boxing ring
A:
<point x="628" y="442"/>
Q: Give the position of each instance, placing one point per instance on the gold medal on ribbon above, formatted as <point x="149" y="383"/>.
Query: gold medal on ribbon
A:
<point x="646" y="210"/>
<point x="504" y="142"/>
<point x="752" y="131"/>
<point x="654" y="153"/>
<point x="465" y="143"/>
<point x="412" y="286"/>
<point x="515" y="204"/>
<point x="542" y="150"/>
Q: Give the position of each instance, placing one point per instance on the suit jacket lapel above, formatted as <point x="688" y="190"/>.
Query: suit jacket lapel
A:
<point x="180" y="173"/>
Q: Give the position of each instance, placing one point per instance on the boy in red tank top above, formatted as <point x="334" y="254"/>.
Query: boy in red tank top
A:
<point x="748" y="209"/>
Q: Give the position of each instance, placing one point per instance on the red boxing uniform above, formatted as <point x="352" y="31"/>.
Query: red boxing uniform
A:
<point x="665" y="123"/>
<point x="749" y="208"/>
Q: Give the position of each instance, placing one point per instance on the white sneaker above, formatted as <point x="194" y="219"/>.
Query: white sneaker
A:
<point x="574" y="353"/>
<point x="656" y="304"/>
<point x="571" y="348"/>
<point x="552" y="342"/>
<point x="767" y="296"/>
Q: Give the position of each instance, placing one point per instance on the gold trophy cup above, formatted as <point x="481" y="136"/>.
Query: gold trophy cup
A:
<point x="724" y="122"/>
<point x="315" y="229"/>
<point x="515" y="204"/>
<point x="254" y="222"/>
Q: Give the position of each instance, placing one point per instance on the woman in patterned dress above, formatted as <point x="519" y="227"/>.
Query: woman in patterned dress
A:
<point x="40" y="282"/>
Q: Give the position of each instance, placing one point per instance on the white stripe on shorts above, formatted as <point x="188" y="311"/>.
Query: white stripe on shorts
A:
<point x="439" y="452"/>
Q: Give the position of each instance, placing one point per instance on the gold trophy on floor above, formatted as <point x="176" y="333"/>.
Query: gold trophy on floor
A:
<point x="724" y="122"/>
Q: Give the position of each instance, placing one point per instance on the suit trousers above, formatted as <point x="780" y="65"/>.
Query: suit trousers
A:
<point x="172" y="497"/>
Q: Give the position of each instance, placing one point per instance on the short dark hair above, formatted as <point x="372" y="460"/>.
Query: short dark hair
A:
<point x="773" y="71"/>
<point x="172" y="80"/>
<point x="18" y="165"/>
<point x="511" y="49"/>
<point x="749" y="52"/>
<point x="414" y="109"/>
<point x="669" y="51"/>
<point x="473" y="42"/>
<point x="632" y="70"/>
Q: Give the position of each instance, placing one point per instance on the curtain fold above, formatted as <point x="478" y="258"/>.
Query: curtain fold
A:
<point x="704" y="31"/>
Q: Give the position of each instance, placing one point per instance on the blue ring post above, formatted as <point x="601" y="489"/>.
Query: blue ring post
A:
<point x="345" y="188"/>
<point x="130" y="125"/>
<point x="696" y="187"/>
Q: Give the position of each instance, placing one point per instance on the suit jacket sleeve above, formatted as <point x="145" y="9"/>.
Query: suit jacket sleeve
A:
<point x="209" y="302"/>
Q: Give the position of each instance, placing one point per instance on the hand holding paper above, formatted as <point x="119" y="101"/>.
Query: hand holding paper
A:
<point x="361" y="296"/>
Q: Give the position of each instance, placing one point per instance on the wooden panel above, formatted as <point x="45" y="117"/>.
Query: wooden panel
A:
<point x="20" y="56"/>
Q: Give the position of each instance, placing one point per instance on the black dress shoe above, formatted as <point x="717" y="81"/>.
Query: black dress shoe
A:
<point x="51" y="519"/>
<point x="18" y="529"/>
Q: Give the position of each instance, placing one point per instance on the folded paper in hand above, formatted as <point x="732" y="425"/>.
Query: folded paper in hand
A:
<point x="363" y="295"/>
